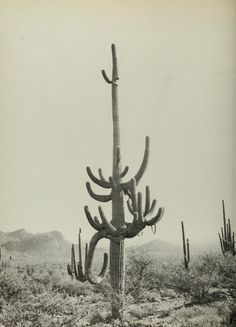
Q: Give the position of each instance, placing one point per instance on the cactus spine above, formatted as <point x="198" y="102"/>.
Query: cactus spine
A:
<point x="186" y="249"/>
<point x="116" y="229"/>
<point x="226" y="237"/>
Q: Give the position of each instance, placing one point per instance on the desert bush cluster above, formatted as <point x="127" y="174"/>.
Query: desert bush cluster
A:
<point x="162" y="292"/>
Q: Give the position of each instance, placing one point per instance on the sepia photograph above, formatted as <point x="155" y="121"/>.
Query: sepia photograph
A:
<point x="117" y="163"/>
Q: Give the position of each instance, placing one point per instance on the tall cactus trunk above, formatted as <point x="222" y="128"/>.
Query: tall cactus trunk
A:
<point x="186" y="250"/>
<point x="117" y="277"/>
<point x="117" y="264"/>
<point x="116" y="229"/>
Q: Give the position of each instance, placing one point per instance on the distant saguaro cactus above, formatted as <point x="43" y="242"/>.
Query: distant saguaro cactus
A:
<point x="186" y="250"/>
<point x="117" y="228"/>
<point x="226" y="237"/>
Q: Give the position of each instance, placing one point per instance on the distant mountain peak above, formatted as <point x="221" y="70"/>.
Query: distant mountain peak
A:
<point x="19" y="234"/>
<point x="40" y="244"/>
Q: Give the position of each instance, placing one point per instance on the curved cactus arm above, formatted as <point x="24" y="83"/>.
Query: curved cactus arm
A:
<point x="133" y="194"/>
<point x="98" y="222"/>
<point x="105" y="77"/>
<point x="152" y="208"/>
<point x="147" y="201"/>
<point x="98" y="197"/>
<point x="132" y="201"/>
<point x="144" y="163"/>
<point x="85" y="256"/>
<point x="140" y="209"/>
<point x="115" y="69"/>
<point x="154" y="228"/>
<point x="110" y="229"/>
<point x="155" y="219"/>
<point x="129" y="205"/>
<point x="93" y="222"/>
<point x="80" y="274"/>
<point x="88" y="269"/>
<point x="96" y="180"/>
<point x="141" y="218"/>
<point x="135" y="220"/>
<point x="102" y="176"/>
<point x="142" y="168"/>
<point x="124" y="172"/>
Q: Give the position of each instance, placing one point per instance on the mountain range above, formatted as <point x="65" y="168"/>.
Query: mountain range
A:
<point x="52" y="245"/>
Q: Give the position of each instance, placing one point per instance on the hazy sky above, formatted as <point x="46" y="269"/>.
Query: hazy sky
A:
<point x="177" y="85"/>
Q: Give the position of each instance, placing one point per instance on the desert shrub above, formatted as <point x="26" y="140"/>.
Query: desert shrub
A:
<point x="136" y="275"/>
<point x="97" y="317"/>
<point x="103" y="288"/>
<point x="198" y="316"/>
<point x="227" y="271"/>
<point x="196" y="282"/>
<point x="145" y="310"/>
<point x="42" y="310"/>
<point x="72" y="287"/>
<point x="11" y="285"/>
<point x="156" y="273"/>
<point x="26" y="301"/>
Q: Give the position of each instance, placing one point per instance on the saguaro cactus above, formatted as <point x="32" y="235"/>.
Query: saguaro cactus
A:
<point x="226" y="237"/>
<point x="117" y="228"/>
<point x="186" y="250"/>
